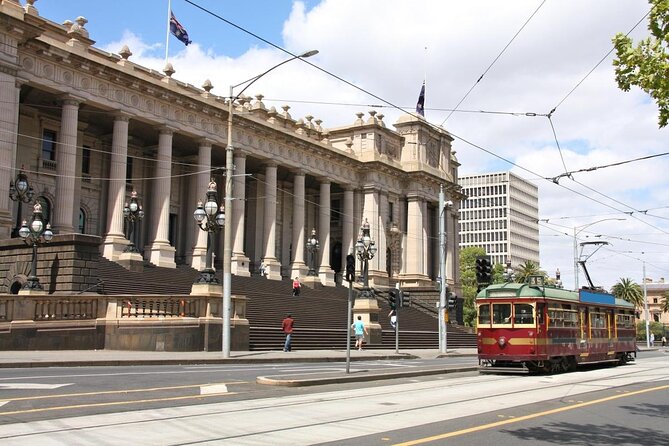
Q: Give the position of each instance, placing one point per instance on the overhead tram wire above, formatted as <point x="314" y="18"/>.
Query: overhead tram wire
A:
<point x="493" y="62"/>
<point x="619" y="163"/>
<point x="400" y="108"/>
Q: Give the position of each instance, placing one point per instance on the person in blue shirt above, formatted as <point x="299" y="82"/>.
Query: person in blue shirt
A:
<point x="360" y="331"/>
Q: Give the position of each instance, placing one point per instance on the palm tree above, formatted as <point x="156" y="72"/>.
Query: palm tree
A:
<point x="627" y="289"/>
<point x="529" y="268"/>
<point x="664" y="304"/>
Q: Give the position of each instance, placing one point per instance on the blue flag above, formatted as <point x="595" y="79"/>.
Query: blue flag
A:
<point x="177" y="30"/>
<point x="420" y="106"/>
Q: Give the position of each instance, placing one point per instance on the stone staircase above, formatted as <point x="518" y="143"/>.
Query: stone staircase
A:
<point x="320" y="314"/>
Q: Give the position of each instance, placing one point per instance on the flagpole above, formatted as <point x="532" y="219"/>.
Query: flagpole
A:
<point x="167" y="36"/>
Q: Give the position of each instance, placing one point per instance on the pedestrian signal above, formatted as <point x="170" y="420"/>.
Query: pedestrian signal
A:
<point x="483" y="270"/>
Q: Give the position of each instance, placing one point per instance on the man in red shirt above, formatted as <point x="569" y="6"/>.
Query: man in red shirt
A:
<point x="287" y="327"/>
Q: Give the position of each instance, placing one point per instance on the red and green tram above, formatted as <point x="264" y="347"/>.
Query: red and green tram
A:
<point x="533" y="327"/>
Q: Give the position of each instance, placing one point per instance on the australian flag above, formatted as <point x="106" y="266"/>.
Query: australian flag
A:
<point x="177" y="30"/>
<point x="420" y="106"/>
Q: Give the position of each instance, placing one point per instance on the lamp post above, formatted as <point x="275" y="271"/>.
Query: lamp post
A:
<point x="210" y="218"/>
<point x="133" y="213"/>
<point x="227" y="236"/>
<point x="312" y="248"/>
<point x="578" y="230"/>
<point x="443" y="309"/>
<point x="366" y="249"/>
<point x="35" y="234"/>
<point x="22" y="192"/>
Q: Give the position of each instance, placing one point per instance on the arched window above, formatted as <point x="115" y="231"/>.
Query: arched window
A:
<point x="82" y="221"/>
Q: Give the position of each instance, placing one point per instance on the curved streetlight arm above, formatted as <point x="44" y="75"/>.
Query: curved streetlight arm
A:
<point x="252" y="80"/>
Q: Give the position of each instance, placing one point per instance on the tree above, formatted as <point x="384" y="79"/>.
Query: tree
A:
<point x="647" y="65"/>
<point x="629" y="290"/>
<point x="468" y="279"/>
<point x="664" y="304"/>
<point x="529" y="268"/>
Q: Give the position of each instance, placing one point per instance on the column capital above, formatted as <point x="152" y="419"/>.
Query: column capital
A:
<point x="348" y="187"/>
<point x="324" y="180"/>
<point x="120" y="115"/>
<point x="298" y="172"/>
<point x="205" y="142"/>
<point x="270" y="164"/>
<point x="166" y="130"/>
<point x="240" y="154"/>
<point x="68" y="99"/>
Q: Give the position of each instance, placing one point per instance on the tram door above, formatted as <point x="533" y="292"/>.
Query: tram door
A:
<point x="584" y="330"/>
<point x="542" y="329"/>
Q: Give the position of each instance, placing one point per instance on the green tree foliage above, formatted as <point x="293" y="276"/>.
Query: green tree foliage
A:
<point x="529" y="268"/>
<point x="664" y="304"/>
<point x="655" y="327"/>
<point x="468" y="279"/>
<point x="646" y="65"/>
<point x="629" y="290"/>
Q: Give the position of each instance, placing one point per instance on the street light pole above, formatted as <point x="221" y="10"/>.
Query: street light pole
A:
<point x="133" y="213"/>
<point x="443" y="328"/>
<point x="366" y="248"/>
<point x="22" y="192"/>
<point x="578" y="230"/>
<point x="209" y="218"/>
<point x="34" y="234"/>
<point x="227" y="236"/>
<point x="312" y="248"/>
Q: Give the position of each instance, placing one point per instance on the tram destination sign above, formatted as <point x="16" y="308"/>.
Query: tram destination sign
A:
<point x="596" y="298"/>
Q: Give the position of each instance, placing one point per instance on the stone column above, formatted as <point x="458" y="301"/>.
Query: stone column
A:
<point x="66" y="161"/>
<point x="415" y="242"/>
<point x="272" y="263"/>
<point x="325" y="272"/>
<point x="240" y="261"/>
<point x="382" y="241"/>
<point x="115" y="241"/>
<point x="199" y="260"/>
<point x="160" y="251"/>
<point x="371" y="213"/>
<point x="348" y="228"/>
<point x="9" y="128"/>
<point x="298" y="268"/>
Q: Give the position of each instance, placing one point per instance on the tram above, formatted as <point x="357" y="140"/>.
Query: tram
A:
<point x="533" y="327"/>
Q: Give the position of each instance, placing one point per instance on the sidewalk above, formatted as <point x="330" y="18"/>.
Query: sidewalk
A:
<point x="75" y="358"/>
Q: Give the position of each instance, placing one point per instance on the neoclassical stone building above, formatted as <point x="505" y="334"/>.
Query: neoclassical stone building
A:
<point x="89" y="127"/>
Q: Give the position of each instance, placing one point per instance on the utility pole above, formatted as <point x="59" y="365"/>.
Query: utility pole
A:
<point x="645" y="304"/>
<point x="443" y="329"/>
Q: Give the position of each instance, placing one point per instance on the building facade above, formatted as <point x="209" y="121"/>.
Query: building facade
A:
<point x="500" y="214"/>
<point x="89" y="128"/>
<point x="655" y="291"/>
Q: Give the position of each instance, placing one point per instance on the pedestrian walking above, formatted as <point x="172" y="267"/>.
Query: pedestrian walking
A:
<point x="393" y="319"/>
<point x="664" y="341"/>
<point x="262" y="269"/>
<point x="360" y="331"/>
<point x="296" y="286"/>
<point x="287" y="327"/>
<point x="652" y="339"/>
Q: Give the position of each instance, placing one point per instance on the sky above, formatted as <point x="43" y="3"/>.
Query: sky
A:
<point x="511" y="62"/>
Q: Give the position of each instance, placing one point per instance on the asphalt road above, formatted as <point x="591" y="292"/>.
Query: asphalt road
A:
<point x="594" y="406"/>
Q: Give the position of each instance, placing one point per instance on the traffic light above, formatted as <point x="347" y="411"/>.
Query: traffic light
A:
<point x="405" y="299"/>
<point x="452" y="300"/>
<point x="392" y="298"/>
<point x="483" y="270"/>
<point x="350" y="268"/>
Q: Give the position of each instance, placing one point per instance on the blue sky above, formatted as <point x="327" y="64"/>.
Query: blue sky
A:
<point x="388" y="47"/>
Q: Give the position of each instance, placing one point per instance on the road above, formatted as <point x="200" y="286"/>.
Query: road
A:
<point x="593" y="406"/>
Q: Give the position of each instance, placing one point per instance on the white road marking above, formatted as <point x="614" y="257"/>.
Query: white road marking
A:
<point x="31" y="386"/>
<point x="213" y="388"/>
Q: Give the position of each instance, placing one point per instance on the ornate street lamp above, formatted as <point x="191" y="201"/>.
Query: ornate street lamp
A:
<point x="210" y="218"/>
<point x="132" y="213"/>
<point x="366" y="249"/>
<point x="35" y="234"/>
<point x="22" y="192"/>
<point x="312" y="248"/>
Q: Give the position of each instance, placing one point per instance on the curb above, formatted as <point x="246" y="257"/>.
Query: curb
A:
<point x="303" y="382"/>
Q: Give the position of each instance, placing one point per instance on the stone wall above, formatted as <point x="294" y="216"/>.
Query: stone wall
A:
<point x="67" y="264"/>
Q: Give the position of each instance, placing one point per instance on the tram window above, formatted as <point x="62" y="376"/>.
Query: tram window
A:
<point x="624" y="321"/>
<point x="540" y="313"/>
<point x="501" y="313"/>
<point x="523" y="314"/>
<point x="484" y="314"/>
<point x="597" y="320"/>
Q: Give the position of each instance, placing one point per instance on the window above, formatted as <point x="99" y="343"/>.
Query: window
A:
<point x="49" y="139"/>
<point x="484" y="314"/>
<point x="82" y="221"/>
<point x="128" y="170"/>
<point x="86" y="160"/>
<point x="501" y="313"/>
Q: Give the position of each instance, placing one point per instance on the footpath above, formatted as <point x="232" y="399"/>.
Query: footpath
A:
<point x="113" y="358"/>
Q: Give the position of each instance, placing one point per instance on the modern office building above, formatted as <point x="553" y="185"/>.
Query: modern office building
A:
<point x="500" y="214"/>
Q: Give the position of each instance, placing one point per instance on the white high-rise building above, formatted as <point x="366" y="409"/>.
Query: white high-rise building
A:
<point x="500" y="215"/>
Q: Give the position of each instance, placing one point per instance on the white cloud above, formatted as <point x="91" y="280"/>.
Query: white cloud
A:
<point x="380" y="46"/>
